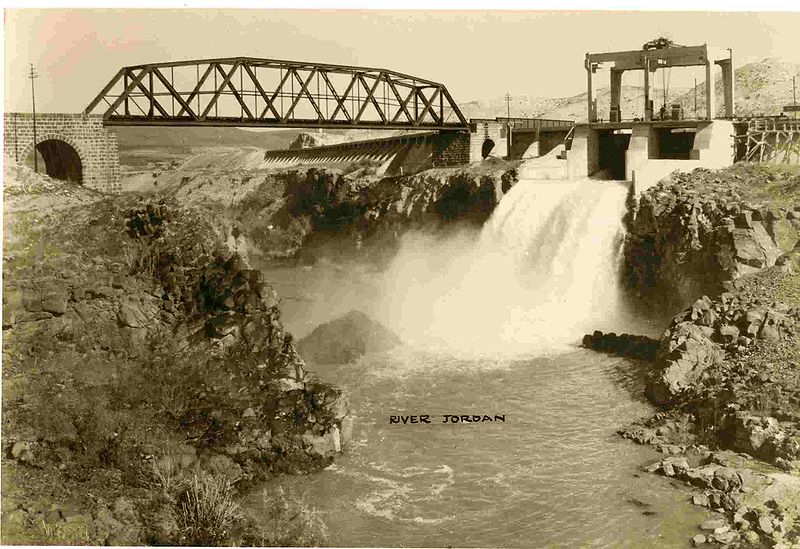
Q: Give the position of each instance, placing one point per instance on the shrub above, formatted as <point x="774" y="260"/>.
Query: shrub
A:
<point x="207" y="510"/>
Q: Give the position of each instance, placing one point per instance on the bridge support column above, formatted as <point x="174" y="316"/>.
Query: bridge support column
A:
<point x="451" y="148"/>
<point x="616" y="88"/>
<point x="710" y="97"/>
<point x="727" y="85"/>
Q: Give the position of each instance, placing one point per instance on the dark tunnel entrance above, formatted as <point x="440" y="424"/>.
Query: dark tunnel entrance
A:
<point x="57" y="159"/>
<point x="612" y="147"/>
<point x="488" y="146"/>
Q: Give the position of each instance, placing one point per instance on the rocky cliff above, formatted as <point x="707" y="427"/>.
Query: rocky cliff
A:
<point x="691" y="232"/>
<point x="146" y="371"/>
<point x="342" y="211"/>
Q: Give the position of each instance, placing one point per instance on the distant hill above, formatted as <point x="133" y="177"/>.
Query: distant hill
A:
<point x="763" y="87"/>
<point x="142" y="144"/>
<point x="567" y="108"/>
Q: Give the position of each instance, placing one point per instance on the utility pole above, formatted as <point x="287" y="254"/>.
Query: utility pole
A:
<point x="695" y="98"/>
<point x="508" y="124"/>
<point x="794" y="95"/>
<point x="32" y="75"/>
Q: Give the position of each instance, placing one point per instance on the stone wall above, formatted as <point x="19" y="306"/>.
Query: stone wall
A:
<point x="483" y="130"/>
<point x="96" y="146"/>
<point x="451" y="149"/>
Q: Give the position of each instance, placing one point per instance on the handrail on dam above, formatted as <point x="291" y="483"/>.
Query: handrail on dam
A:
<point x="247" y="91"/>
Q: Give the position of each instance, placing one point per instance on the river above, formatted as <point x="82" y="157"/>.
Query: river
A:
<point x="494" y="335"/>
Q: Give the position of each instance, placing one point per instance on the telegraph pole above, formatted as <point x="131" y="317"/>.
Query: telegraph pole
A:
<point x="508" y="123"/>
<point x="695" y="98"/>
<point x="32" y="75"/>
<point x="794" y="95"/>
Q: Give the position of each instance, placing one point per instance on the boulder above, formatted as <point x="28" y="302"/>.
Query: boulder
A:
<point x="686" y="352"/>
<point x="326" y="445"/>
<point x="634" y="346"/>
<point x="346" y="339"/>
<point x="713" y="524"/>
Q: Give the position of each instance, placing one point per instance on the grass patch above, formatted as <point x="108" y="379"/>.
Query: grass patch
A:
<point x="207" y="510"/>
<point x="789" y="290"/>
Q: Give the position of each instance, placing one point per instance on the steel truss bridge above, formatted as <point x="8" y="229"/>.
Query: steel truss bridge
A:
<point x="246" y="91"/>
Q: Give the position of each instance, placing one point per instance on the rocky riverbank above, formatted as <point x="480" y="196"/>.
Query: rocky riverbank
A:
<point x="726" y="244"/>
<point x="342" y="211"/>
<point x="692" y="232"/>
<point x="147" y="378"/>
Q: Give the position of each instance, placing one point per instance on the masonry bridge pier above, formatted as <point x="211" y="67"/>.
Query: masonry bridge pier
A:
<point x="72" y="147"/>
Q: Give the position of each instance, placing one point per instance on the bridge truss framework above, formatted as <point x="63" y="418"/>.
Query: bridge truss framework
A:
<point x="245" y="91"/>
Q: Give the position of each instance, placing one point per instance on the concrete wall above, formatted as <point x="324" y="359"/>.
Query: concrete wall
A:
<point x="525" y="145"/>
<point x="713" y="148"/>
<point x="583" y="159"/>
<point x="96" y="146"/>
<point x="640" y="150"/>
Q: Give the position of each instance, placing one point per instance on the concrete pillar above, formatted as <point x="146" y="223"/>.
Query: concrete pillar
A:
<point x="616" y="89"/>
<point x="583" y="158"/>
<point x="648" y="112"/>
<point x="709" y="91"/>
<point x="638" y="152"/>
<point x="728" y="86"/>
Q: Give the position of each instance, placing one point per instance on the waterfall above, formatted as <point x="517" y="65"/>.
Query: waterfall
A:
<point x="543" y="271"/>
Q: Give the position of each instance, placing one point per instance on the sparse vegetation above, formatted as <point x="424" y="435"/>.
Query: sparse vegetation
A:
<point x="207" y="510"/>
<point x="115" y="423"/>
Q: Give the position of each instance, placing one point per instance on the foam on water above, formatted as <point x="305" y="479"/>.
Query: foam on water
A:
<point x="543" y="270"/>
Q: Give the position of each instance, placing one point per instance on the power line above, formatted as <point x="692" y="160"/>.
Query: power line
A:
<point x="32" y="75"/>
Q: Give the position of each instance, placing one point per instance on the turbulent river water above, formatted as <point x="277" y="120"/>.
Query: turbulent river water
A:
<point x="491" y="323"/>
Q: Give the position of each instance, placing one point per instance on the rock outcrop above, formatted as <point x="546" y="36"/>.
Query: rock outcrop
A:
<point x="343" y="212"/>
<point x="140" y="353"/>
<point x="345" y="339"/>
<point x="692" y="232"/>
<point x="726" y="369"/>
<point x="711" y="331"/>
<point x="633" y="346"/>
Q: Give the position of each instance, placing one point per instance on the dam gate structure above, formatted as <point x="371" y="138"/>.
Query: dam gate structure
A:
<point x="646" y="148"/>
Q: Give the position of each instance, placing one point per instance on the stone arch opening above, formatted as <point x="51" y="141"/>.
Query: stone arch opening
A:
<point x="487" y="147"/>
<point x="58" y="159"/>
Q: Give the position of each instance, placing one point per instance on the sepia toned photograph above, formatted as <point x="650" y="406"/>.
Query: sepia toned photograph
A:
<point x="401" y="277"/>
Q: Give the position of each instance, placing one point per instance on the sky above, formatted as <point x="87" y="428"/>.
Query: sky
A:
<point x="476" y="54"/>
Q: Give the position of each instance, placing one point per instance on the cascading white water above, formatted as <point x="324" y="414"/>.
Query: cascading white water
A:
<point x="541" y="273"/>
